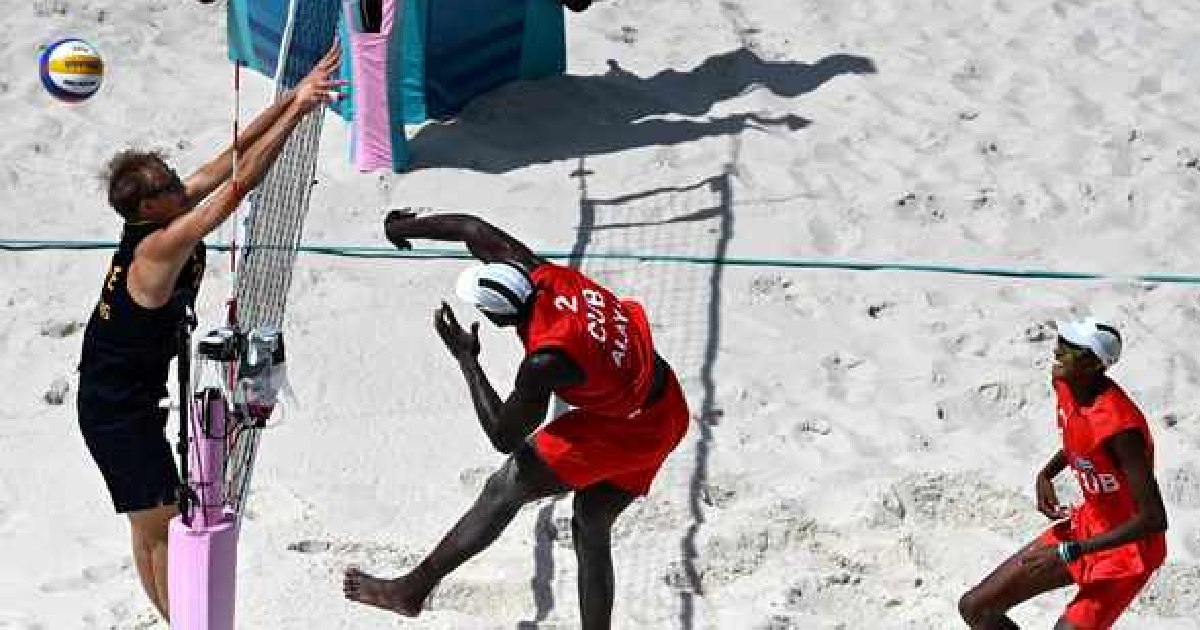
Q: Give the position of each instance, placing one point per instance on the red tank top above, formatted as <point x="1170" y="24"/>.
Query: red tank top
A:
<point x="1107" y="500"/>
<point x="607" y="337"/>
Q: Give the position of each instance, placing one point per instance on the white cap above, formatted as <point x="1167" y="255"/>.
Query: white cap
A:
<point x="1094" y="335"/>
<point x="498" y="288"/>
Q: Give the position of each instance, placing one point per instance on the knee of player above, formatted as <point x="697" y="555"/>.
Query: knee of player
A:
<point x="501" y="487"/>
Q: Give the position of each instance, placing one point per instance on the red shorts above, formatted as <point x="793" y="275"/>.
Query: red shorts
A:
<point x="1099" y="601"/>
<point x="583" y="448"/>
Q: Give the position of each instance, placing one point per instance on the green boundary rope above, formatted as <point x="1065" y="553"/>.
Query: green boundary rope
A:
<point x="359" y="251"/>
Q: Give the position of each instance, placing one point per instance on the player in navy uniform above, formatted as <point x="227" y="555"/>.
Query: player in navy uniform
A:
<point x="153" y="277"/>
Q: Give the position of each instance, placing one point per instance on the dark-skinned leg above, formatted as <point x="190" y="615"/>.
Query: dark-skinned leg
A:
<point x="985" y="607"/>
<point x="596" y="508"/>
<point x="522" y="478"/>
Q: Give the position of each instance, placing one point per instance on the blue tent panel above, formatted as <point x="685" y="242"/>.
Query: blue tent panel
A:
<point x="441" y="54"/>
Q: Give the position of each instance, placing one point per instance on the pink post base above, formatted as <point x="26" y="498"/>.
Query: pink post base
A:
<point x="201" y="568"/>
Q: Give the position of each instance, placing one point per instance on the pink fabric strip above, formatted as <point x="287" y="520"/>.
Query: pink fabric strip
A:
<point x="372" y="131"/>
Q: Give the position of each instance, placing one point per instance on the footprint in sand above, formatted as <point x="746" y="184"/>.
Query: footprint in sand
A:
<point x="966" y="498"/>
<point x="809" y="429"/>
<point x="1173" y="592"/>
<point x="719" y="493"/>
<point x="1181" y="486"/>
<point x="770" y="287"/>
<point x="1192" y="542"/>
<point x="988" y="402"/>
<point x="775" y="531"/>
<point x="1086" y="42"/>
<point x="838" y="367"/>
<point x="6" y="501"/>
<point x="9" y="176"/>
<point x="39" y="148"/>
<point x="310" y="546"/>
<point x="491" y="599"/>
<point x="59" y="329"/>
<point x="779" y="622"/>
<point x="50" y="131"/>
<point x="17" y="621"/>
<point x="652" y="514"/>
<point x="50" y="8"/>
<point x="473" y="478"/>
<point x="921" y="209"/>
<point x="370" y="556"/>
<point x="120" y="614"/>
<point x="625" y="35"/>
<point x="557" y="531"/>
<point x="89" y="577"/>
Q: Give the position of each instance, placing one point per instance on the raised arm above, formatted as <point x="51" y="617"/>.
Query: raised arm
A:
<point x="207" y="178"/>
<point x="485" y="241"/>
<point x="161" y="255"/>
<point x="193" y="226"/>
<point x="506" y="422"/>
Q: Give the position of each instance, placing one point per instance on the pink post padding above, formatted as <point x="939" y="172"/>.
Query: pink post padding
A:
<point x="206" y="457"/>
<point x="372" y="117"/>
<point x="201" y="574"/>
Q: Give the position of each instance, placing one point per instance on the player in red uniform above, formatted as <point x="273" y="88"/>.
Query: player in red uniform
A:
<point x="1110" y="545"/>
<point x="581" y="343"/>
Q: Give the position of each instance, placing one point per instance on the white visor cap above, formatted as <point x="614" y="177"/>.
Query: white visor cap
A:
<point x="1089" y="334"/>
<point x="498" y="288"/>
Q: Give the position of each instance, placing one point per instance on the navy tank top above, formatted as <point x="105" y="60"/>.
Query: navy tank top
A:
<point x="127" y="348"/>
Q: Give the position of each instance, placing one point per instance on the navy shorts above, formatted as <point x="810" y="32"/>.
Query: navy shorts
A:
<point x="129" y="444"/>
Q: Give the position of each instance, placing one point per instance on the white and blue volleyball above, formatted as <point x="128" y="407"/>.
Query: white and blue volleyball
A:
<point x="71" y="70"/>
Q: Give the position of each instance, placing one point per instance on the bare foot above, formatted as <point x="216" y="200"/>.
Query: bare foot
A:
<point x="398" y="595"/>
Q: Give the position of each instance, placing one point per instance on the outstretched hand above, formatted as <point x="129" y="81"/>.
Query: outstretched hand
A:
<point x="316" y="88"/>
<point x="393" y="226"/>
<point x="462" y="344"/>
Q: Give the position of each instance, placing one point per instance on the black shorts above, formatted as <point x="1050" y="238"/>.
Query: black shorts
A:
<point x="129" y="444"/>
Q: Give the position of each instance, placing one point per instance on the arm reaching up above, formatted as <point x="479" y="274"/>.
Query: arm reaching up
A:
<point x="161" y="255"/>
<point x="507" y="423"/>
<point x="485" y="241"/>
<point x="207" y="178"/>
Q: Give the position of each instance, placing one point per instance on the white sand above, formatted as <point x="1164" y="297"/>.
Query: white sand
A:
<point x="873" y="436"/>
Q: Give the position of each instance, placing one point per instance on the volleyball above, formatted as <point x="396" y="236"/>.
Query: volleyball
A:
<point x="71" y="70"/>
